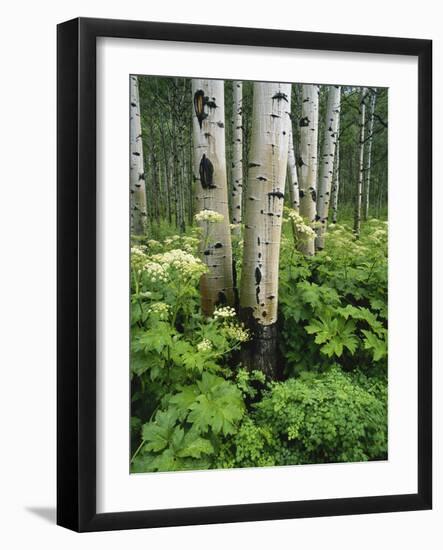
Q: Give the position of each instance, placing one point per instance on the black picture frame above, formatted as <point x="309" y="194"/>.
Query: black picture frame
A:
<point x="76" y="281"/>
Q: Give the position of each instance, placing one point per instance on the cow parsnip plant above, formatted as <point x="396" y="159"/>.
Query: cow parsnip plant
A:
<point x="193" y="404"/>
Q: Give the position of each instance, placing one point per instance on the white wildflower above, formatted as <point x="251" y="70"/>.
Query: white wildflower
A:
<point x="209" y="216"/>
<point x="224" y="313"/>
<point x="204" y="345"/>
<point x="138" y="250"/>
<point x="159" y="308"/>
<point x="155" y="271"/>
<point x="237" y="333"/>
<point x="180" y="260"/>
<point x="294" y="216"/>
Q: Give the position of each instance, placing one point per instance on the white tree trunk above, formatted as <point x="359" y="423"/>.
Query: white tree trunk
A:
<point x="308" y="161"/>
<point x="211" y="192"/>
<point x="237" y="155"/>
<point x="336" y="181"/>
<point x="327" y="163"/>
<point x="292" y="170"/>
<point x="263" y="218"/>
<point x="358" y="201"/>
<point x="137" y="171"/>
<point x="369" y="155"/>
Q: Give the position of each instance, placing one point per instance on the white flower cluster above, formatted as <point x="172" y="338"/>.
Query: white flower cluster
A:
<point x="155" y="272"/>
<point x="305" y="230"/>
<point x="159" y="308"/>
<point x="300" y="226"/>
<point x="181" y="261"/>
<point x="209" y="216"/>
<point x="224" y="312"/>
<point x="138" y="250"/>
<point x="138" y="257"/>
<point x="185" y="242"/>
<point x="237" y="333"/>
<point x="294" y="216"/>
<point x="204" y="345"/>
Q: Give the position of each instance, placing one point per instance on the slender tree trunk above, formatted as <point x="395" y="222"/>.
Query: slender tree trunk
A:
<point x="191" y="181"/>
<point x="167" y="172"/>
<point x="153" y="161"/>
<point x="212" y="193"/>
<point x="137" y="171"/>
<point x="237" y="155"/>
<point x="358" y="200"/>
<point x="263" y="217"/>
<point x="307" y="161"/>
<point x="292" y="170"/>
<point x="369" y="155"/>
<point x="336" y="180"/>
<point x="327" y="163"/>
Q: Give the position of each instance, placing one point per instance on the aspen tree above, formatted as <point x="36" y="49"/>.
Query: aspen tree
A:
<point x="292" y="171"/>
<point x="327" y="163"/>
<point x="307" y="162"/>
<point x="358" y="199"/>
<point x="268" y="159"/>
<point x="237" y="155"/>
<point x="211" y="192"/>
<point x="336" y="179"/>
<point x="369" y="154"/>
<point x="137" y="171"/>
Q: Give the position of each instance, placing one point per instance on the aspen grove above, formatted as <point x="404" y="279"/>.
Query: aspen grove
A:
<point x="259" y="324"/>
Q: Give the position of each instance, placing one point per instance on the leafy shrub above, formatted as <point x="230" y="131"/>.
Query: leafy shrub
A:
<point x="315" y="418"/>
<point x="334" y="305"/>
<point x="324" y="418"/>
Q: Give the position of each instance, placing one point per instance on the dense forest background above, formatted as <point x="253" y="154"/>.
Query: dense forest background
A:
<point x="166" y="107"/>
<point x="259" y="307"/>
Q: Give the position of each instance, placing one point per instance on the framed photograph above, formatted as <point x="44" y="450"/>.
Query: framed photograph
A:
<point x="244" y="274"/>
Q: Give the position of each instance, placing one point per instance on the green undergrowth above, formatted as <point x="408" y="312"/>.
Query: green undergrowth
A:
<point x="193" y="406"/>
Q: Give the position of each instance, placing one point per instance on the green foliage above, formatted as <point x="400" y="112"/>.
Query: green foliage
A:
<point x="324" y="418"/>
<point x="214" y="404"/>
<point x="195" y="407"/>
<point x="334" y="304"/>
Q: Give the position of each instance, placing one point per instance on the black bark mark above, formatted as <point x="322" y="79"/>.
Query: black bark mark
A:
<point x="277" y="194"/>
<point x="279" y="96"/>
<point x="206" y="171"/>
<point x="199" y="106"/>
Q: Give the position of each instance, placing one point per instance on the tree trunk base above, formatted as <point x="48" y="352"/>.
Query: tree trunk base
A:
<point x="261" y="351"/>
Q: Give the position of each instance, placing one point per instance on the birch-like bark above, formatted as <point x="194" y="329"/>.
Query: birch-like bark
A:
<point x="307" y="162"/>
<point x="327" y="163"/>
<point x="216" y="286"/>
<point x="292" y="170"/>
<point x="336" y="180"/>
<point x="369" y="155"/>
<point x="358" y="199"/>
<point x="268" y="159"/>
<point x="237" y="155"/>
<point x="137" y="171"/>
